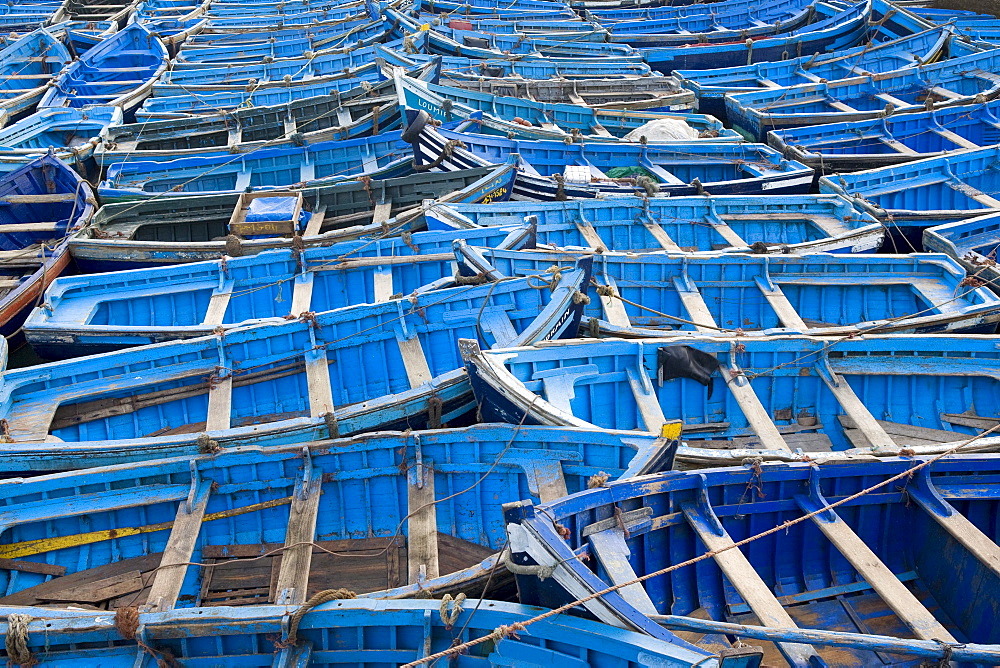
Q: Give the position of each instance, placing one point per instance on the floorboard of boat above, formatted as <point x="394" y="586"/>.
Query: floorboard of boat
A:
<point x="87" y="583"/>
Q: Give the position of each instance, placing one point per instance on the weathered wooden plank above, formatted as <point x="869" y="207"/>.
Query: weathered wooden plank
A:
<point x="695" y="306"/>
<point x="34" y="595"/>
<point x="383" y="284"/>
<point x="646" y="401"/>
<point x="40" y="198"/>
<point x="786" y="313"/>
<point x="315" y="222"/>
<point x="383" y="212"/>
<point x="853" y="406"/>
<point x="293" y="576"/>
<point x="32" y="567"/>
<point x="220" y="404"/>
<point x="614" y="308"/>
<point x="302" y="291"/>
<point x="417" y="370"/>
<point x="167" y="582"/>
<point x="661" y="237"/>
<point x="611" y="551"/>
<point x="217" y="306"/>
<point x="590" y="235"/>
<point x="753" y="410"/>
<point x="422" y="543"/>
<point x="318" y="383"/>
<point x="895" y="594"/>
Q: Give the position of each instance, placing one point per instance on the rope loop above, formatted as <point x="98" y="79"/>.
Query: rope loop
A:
<point x="318" y="598"/>
<point x="449" y="617"/>
<point x="17" y="640"/>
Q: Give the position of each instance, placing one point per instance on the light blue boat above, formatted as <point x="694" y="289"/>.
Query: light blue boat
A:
<point x="719" y="224"/>
<point x="71" y="134"/>
<point x="973" y="243"/>
<point x="391" y="632"/>
<point x="26" y="67"/>
<point x="118" y="72"/>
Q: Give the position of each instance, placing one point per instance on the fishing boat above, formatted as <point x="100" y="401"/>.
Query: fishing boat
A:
<point x="836" y="27"/>
<point x="522" y="10"/>
<point x="393" y="632"/>
<point x="922" y="193"/>
<point x="302" y="122"/>
<point x="720" y="224"/>
<point x="588" y="168"/>
<point x="169" y="230"/>
<point x="506" y="114"/>
<point x="383" y="156"/>
<point x="881" y="579"/>
<point x="952" y="83"/>
<point x="118" y="72"/>
<point x="41" y="204"/>
<point x="26" y="66"/>
<point x="891" y="140"/>
<point x="71" y="134"/>
<point x="973" y="243"/>
<point x="398" y="493"/>
<point x="91" y="314"/>
<point x="392" y="365"/>
<point x="711" y="86"/>
<point x="780" y="397"/>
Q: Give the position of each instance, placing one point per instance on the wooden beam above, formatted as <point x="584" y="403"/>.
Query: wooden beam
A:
<point x="661" y="237"/>
<point x="956" y="139"/>
<point x="382" y="213"/>
<point x="612" y="552"/>
<point x="645" y="399"/>
<point x="217" y="305"/>
<point x="417" y="370"/>
<point x="318" y="383"/>
<point x="786" y="313"/>
<point x="169" y="578"/>
<point x="220" y="403"/>
<point x="421" y="534"/>
<point x="741" y="574"/>
<point x="293" y="575"/>
<point x="590" y="235"/>
<point x="694" y="304"/>
<point x="302" y="291"/>
<point x="614" y="308"/>
<point x="382" y="277"/>
<point x="315" y="222"/>
<point x="863" y="420"/>
<point x="895" y="594"/>
<point x="42" y="198"/>
<point x="754" y="411"/>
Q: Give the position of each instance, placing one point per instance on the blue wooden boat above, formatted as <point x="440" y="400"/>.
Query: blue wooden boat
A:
<point x="654" y="294"/>
<point x="695" y="168"/>
<point x="118" y="72"/>
<point x="627" y="14"/>
<point x="973" y="243"/>
<point x="299" y="123"/>
<point x="41" y="204"/>
<point x="782" y="397"/>
<point x="954" y="82"/>
<point x="522" y="9"/>
<point x="390" y="632"/>
<point x="396" y="492"/>
<point x="71" y="134"/>
<point x="565" y="28"/>
<point x="719" y="224"/>
<point x="169" y="230"/>
<point x="357" y="369"/>
<point x="881" y="580"/>
<point x="26" y="66"/>
<point x="92" y="314"/>
<point x="548" y="120"/>
<point x="239" y="76"/>
<point x="836" y="28"/>
<point x="711" y="86"/>
<point x="858" y="145"/>
<point x="382" y="156"/>
<point x="960" y="184"/>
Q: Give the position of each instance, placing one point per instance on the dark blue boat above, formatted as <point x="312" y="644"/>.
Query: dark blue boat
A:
<point x="884" y="579"/>
<point x="119" y="72"/>
<point x="41" y="204"/>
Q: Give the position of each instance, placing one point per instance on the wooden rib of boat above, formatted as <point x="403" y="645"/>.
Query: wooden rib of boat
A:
<point x="719" y="224"/>
<point x="392" y="365"/>
<point x="922" y="193"/>
<point x="954" y="82"/>
<point x="837" y="27"/>
<point x="398" y="493"/>
<point x="711" y="86"/>
<point x="41" y="204"/>
<point x="780" y="397"/>
<point x="170" y="230"/>
<point x="393" y="632"/>
<point x="650" y="295"/>
<point x="891" y="140"/>
<point x="881" y="580"/>
<point x="586" y="168"/>
<point x="26" y="66"/>
<point x="118" y="72"/>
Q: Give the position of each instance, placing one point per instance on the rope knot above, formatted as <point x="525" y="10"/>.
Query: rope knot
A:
<point x="17" y="640"/>
<point x="449" y="617"/>
<point x="318" y="598"/>
<point x="598" y="480"/>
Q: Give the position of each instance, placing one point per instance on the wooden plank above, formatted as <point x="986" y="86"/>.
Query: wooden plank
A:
<point x="41" y="198"/>
<point x="293" y="576"/>
<point x="99" y="590"/>
<point x="973" y="193"/>
<point x="786" y="313"/>
<point x="217" y="306"/>
<point x="612" y="552"/>
<point x="614" y="308"/>
<point x="695" y="306"/>
<point x="422" y="535"/>
<point x="754" y="411"/>
<point x="590" y="235"/>
<point x="31" y="227"/>
<point x="382" y="277"/>
<point x="235" y="136"/>
<point x="895" y="594"/>
<point x="382" y="213"/>
<point x="646" y="401"/>
<point x="34" y="595"/>
<point x="315" y="222"/>
<point x="220" y="404"/>
<point x="545" y="477"/>
<point x="600" y="130"/>
<point x="662" y="238"/>
<point x="741" y="574"/>
<point x="729" y="235"/>
<point x="417" y="370"/>
<point x="862" y="418"/>
<point x="167" y="582"/>
<point x="32" y="567"/>
<point x="302" y="291"/>
<point x="956" y="139"/>
<point x="344" y="116"/>
<point x="318" y="383"/>
<point x="898" y="146"/>
<point x="496" y="322"/>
